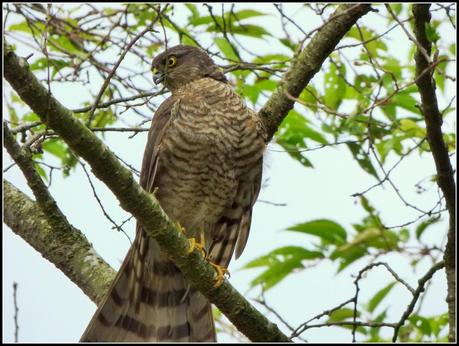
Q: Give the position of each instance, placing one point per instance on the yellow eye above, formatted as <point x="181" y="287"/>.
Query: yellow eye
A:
<point x="171" y="61"/>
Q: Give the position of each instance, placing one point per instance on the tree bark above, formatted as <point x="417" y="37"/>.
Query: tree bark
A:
<point x="68" y="250"/>
<point x="143" y="205"/>
<point x="445" y="177"/>
<point x="136" y="201"/>
<point x="308" y="63"/>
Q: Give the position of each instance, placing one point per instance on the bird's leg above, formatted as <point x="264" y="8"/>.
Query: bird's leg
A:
<point x="194" y="244"/>
<point x="221" y="273"/>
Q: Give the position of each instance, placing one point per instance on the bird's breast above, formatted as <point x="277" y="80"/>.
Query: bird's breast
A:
<point x="198" y="169"/>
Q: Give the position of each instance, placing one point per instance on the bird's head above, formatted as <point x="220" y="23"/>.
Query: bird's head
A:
<point x="183" y="64"/>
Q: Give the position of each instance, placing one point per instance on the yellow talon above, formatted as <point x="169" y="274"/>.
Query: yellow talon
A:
<point x="221" y="273"/>
<point x="179" y="226"/>
<point x="198" y="246"/>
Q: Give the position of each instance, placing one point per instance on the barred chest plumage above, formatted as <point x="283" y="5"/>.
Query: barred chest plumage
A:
<point x="207" y="147"/>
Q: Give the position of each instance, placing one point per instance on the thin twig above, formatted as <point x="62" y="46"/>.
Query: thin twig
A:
<point x="410" y="37"/>
<point x="115" y="67"/>
<point x="115" y="225"/>
<point x="16" y="311"/>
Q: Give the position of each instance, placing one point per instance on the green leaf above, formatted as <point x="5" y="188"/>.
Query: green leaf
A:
<point x="194" y="11"/>
<point x="202" y="20"/>
<point x="393" y="143"/>
<point x="437" y="323"/>
<point x="421" y="323"/>
<point x="366" y="34"/>
<point x="342" y="314"/>
<point x="440" y="72"/>
<point x="226" y="48"/>
<point x="296" y="154"/>
<point x="267" y="84"/>
<point x="251" y="92"/>
<point x="243" y="14"/>
<point x="281" y="58"/>
<point x="397" y="8"/>
<point x="404" y="100"/>
<point x="292" y="133"/>
<point x="366" y="204"/>
<point x="55" y="147"/>
<point x="347" y="256"/>
<point x="246" y="30"/>
<point x="103" y="118"/>
<point x="392" y="65"/>
<point x="423" y="226"/>
<point x="287" y="43"/>
<point x="66" y="45"/>
<point x="188" y="41"/>
<point x="55" y="64"/>
<point x="361" y="238"/>
<point x="280" y="263"/>
<point x="286" y="252"/>
<point x="410" y="127"/>
<point x="22" y="26"/>
<point x="14" y="119"/>
<point x="40" y="171"/>
<point x="362" y="159"/>
<point x="30" y="117"/>
<point x="379" y="296"/>
<point x="374" y="332"/>
<point x="309" y="99"/>
<point x="329" y="231"/>
<point x="334" y="86"/>
<point x="431" y="32"/>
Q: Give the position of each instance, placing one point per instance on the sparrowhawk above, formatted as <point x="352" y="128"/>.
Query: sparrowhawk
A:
<point x="203" y="162"/>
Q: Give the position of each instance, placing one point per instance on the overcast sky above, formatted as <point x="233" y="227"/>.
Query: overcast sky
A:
<point x="53" y="309"/>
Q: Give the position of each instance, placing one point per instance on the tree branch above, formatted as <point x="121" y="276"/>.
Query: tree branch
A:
<point x="445" y="178"/>
<point x="69" y="251"/>
<point x="143" y="205"/>
<point x="136" y="201"/>
<point x="307" y="63"/>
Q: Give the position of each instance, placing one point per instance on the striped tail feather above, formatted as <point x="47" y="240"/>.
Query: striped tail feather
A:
<point x="151" y="301"/>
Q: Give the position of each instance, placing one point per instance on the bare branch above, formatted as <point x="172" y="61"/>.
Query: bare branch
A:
<point x="308" y="63"/>
<point x="445" y="177"/>
<point x="16" y="311"/>
<point x="69" y="251"/>
<point x="139" y="203"/>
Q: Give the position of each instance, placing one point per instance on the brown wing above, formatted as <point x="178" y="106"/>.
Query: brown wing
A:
<point x="232" y="230"/>
<point x="155" y="134"/>
<point x="151" y="304"/>
<point x="108" y="323"/>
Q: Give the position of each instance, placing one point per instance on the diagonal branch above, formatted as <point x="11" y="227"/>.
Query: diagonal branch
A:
<point x="70" y="252"/>
<point x="143" y="205"/>
<point x="445" y="176"/>
<point x="137" y="202"/>
<point x="307" y="63"/>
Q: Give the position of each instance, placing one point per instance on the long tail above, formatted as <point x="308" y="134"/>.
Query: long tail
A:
<point x="151" y="301"/>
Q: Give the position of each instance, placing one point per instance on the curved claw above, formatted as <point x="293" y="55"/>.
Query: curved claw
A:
<point x="180" y="227"/>
<point x="196" y="245"/>
<point x="221" y="273"/>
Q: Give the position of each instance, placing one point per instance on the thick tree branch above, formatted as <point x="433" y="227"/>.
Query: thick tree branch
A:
<point x="138" y="202"/>
<point x="69" y="250"/>
<point x="445" y="177"/>
<point x="307" y="63"/>
<point x="23" y="158"/>
<point x="143" y="205"/>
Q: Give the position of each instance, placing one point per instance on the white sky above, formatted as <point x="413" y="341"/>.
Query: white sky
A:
<point x="53" y="309"/>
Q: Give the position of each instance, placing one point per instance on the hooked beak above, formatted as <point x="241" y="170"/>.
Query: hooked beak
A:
<point x="158" y="77"/>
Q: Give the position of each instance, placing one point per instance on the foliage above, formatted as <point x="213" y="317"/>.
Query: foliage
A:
<point x="363" y="97"/>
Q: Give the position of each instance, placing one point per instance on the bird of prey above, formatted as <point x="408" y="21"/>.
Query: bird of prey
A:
<point x="203" y="162"/>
